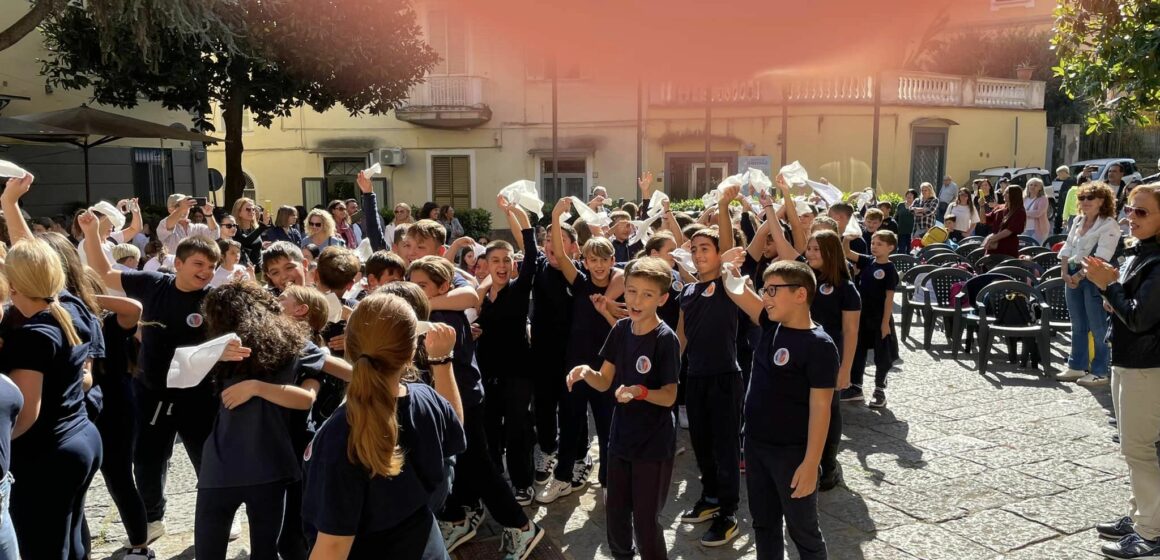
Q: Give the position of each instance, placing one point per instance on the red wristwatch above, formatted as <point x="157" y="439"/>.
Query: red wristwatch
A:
<point x="643" y="393"/>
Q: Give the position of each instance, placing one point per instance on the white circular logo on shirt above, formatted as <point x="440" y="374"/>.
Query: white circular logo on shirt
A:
<point x="677" y="286"/>
<point x="781" y="357"/>
<point x="709" y="290"/>
<point x="569" y="290"/>
<point x="880" y="274"/>
<point x="826" y="289"/>
<point x="194" y="320"/>
<point x="643" y="364"/>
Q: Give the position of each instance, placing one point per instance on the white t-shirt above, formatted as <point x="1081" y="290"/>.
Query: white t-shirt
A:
<point x="223" y="274"/>
<point x="117" y="237"/>
<point x="153" y="265"/>
<point x="962" y="214"/>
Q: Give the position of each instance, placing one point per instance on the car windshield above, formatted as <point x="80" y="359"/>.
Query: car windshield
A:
<point x="1076" y="169"/>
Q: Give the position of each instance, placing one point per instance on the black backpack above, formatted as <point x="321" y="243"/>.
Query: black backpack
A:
<point x="1013" y="309"/>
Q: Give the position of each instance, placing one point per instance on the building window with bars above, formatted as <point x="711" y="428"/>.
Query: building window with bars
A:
<point x="572" y="179"/>
<point x="451" y="181"/>
<point x="152" y="175"/>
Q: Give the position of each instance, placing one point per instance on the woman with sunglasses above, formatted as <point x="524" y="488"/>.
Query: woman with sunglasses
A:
<point x="284" y="229"/>
<point x="1095" y="232"/>
<point x="343" y="227"/>
<point x="320" y="230"/>
<point x="402" y="217"/>
<point x="252" y="223"/>
<point x="1133" y="296"/>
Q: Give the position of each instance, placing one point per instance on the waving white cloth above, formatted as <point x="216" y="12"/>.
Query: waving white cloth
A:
<point x="656" y="203"/>
<point x="112" y="213"/>
<point x="758" y="181"/>
<point x="9" y="169"/>
<point x="685" y="259"/>
<point x="589" y="216"/>
<point x="796" y="176"/>
<point x="364" y="250"/>
<point x="853" y="230"/>
<point x="829" y="193"/>
<point x="710" y="198"/>
<point x="800" y="205"/>
<point x="525" y="194"/>
<point x="643" y="229"/>
<point x="191" y="364"/>
<point x="372" y="170"/>
<point x="733" y="284"/>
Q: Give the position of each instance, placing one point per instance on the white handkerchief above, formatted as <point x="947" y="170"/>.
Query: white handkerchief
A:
<point x="685" y="260"/>
<point x="853" y="230"/>
<point x="478" y="250"/>
<point x="589" y="216"/>
<point x="758" y="180"/>
<point x="794" y="174"/>
<point x="643" y="230"/>
<point x="656" y="203"/>
<point x="364" y="250"/>
<point x="525" y="194"/>
<point x="422" y="327"/>
<point x="831" y="194"/>
<point x="373" y="170"/>
<point x="471" y="314"/>
<point x="191" y="364"/>
<point x="9" y="169"/>
<point x="735" y="285"/>
<point x="109" y="211"/>
<point x="355" y="289"/>
<point x="802" y="206"/>
<point x="334" y="308"/>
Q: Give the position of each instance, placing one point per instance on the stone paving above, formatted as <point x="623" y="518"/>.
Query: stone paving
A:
<point x="958" y="466"/>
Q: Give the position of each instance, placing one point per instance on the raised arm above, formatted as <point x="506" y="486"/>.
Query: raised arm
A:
<point x="562" y="259"/>
<point x="134" y="226"/>
<point x="95" y="253"/>
<point x="748" y="300"/>
<point x="513" y="221"/>
<point x="371" y="216"/>
<point x="128" y="310"/>
<point x="724" y="220"/>
<point x="10" y="203"/>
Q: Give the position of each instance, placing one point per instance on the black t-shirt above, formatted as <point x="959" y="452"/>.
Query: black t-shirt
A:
<point x="623" y="252"/>
<point x="710" y="329"/>
<point x="11" y="401"/>
<point x="551" y="308"/>
<point x="464" y="366"/>
<point x="874" y="280"/>
<point x="860" y="245"/>
<point x="830" y="302"/>
<point x="503" y="345"/>
<point x="170" y="318"/>
<point x="642" y="431"/>
<point x="340" y="498"/>
<point x="114" y="367"/>
<point x="670" y="312"/>
<point x="786" y="365"/>
<point x="755" y="270"/>
<point x="589" y="327"/>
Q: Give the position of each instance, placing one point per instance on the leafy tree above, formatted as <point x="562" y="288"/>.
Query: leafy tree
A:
<point x="1108" y="53"/>
<point x="267" y="57"/>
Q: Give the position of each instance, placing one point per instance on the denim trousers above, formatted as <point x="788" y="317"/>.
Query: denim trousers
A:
<point x="1086" y="308"/>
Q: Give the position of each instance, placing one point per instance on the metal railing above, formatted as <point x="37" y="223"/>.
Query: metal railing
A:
<point x="447" y="91"/>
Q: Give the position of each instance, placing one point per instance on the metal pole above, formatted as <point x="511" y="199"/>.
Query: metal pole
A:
<point x="88" y="191"/>
<point x="1015" y="157"/>
<point x="639" y="134"/>
<point x="708" y="135"/>
<point x="877" y="92"/>
<point x="784" y="126"/>
<point x="555" y="138"/>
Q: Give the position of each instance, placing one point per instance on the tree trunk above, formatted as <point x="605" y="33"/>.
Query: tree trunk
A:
<point x="233" y="111"/>
<point x="28" y="22"/>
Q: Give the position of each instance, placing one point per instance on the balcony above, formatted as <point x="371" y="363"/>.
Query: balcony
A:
<point x="449" y="102"/>
<point x="898" y="88"/>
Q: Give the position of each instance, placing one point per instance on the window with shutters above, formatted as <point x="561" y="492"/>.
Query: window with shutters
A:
<point x="447" y="34"/>
<point x="451" y="181"/>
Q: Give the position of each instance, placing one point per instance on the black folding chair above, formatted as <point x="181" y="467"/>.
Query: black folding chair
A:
<point x="1034" y="250"/>
<point x="903" y="263"/>
<point x="966" y="248"/>
<point x="907" y="286"/>
<point x="1015" y="273"/>
<point x="1053" y="239"/>
<point x="1046" y="260"/>
<point x="1052" y="290"/>
<point x="946" y="259"/>
<point x="1028" y="241"/>
<point x="988" y="262"/>
<point x="1033" y="328"/>
<point x="939" y="303"/>
<point x="931" y="250"/>
<point x="975" y="256"/>
<point x="1053" y="272"/>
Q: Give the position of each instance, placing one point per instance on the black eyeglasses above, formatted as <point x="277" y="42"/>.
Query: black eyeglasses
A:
<point x="771" y="289"/>
<point x="1084" y="197"/>
<point x="231" y="226"/>
<point x="315" y="224"/>
<point x="1136" y="211"/>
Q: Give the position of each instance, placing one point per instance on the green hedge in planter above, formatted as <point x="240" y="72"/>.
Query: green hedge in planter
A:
<point x="476" y="223"/>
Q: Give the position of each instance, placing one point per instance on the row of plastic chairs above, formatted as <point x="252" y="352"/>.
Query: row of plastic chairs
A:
<point x="977" y="258"/>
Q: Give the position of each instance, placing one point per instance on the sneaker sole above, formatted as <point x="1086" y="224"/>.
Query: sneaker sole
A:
<point x="558" y="496"/>
<point x="525" y="503"/>
<point x="729" y="537"/>
<point x="859" y="398"/>
<point x="539" y="536"/>
<point x="1107" y="537"/>
<point x="1104" y="384"/>
<point x="707" y="516"/>
<point x="877" y="405"/>
<point x="466" y="537"/>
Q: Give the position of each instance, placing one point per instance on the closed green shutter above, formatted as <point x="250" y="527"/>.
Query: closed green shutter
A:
<point x="451" y="181"/>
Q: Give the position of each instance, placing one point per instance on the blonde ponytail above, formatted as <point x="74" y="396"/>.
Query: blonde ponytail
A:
<point x="36" y="271"/>
<point x="63" y="317"/>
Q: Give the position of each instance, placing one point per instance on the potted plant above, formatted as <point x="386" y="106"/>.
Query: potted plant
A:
<point x="1024" y="70"/>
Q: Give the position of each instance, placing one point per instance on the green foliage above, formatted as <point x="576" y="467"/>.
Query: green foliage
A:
<point x="1108" y="51"/>
<point x="690" y="205"/>
<point x="476" y="222"/>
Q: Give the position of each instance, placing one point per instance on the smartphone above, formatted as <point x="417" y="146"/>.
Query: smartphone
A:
<point x="200" y="200"/>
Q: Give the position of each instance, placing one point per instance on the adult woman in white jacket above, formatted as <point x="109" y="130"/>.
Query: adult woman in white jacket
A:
<point x="964" y="212"/>
<point x="1095" y="232"/>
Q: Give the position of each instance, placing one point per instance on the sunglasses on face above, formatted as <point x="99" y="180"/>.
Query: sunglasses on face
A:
<point x="771" y="289"/>
<point x="315" y="224"/>
<point x="1136" y="211"/>
<point x="1084" y="197"/>
<point x="231" y="226"/>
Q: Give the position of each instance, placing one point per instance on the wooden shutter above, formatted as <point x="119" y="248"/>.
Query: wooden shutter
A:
<point x="451" y="181"/>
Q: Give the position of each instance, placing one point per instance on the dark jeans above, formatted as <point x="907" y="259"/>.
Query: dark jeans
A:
<point x="768" y="472"/>
<point x="476" y="478"/>
<point x="713" y="404"/>
<point x="548" y="385"/>
<point x="883" y="360"/>
<point x="215" y="512"/>
<point x="47" y="504"/>
<point x="833" y="439"/>
<point x="509" y="427"/>
<point x="574" y="428"/>
<point x="292" y="540"/>
<point x="903" y="246"/>
<point x="162" y="415"/>
<point x="637" y="492"/>
<point x="118" y="427"/>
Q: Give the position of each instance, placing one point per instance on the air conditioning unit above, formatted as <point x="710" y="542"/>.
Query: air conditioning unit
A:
<point x="390" y="157"/>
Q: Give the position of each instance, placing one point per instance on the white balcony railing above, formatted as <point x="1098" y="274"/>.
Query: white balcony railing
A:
<point x="839" y="90"/>
<point x="447" y="91"/>
<point x="929" y="90"/>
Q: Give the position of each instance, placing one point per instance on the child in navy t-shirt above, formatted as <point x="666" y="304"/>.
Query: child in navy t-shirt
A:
<point x="877" y="279"/>
<point x="642" y="359"/>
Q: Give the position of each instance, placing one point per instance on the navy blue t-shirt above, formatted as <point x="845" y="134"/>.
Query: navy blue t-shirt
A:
<point x="786" y="365"/>
<point x="254" y="443"/>
<point x="11" y="401"/>
<point x="670" y="312"/>
<point x="830" y="302"/>
<point x="874" y="280"/>
<point x="642" y="431"/>
<point x="503" y="347"/>
<point x="170" y="318"/>
<point x="710" y="329"/>
<point x="589" y="327"/>
<point x="340" y="498"/>
<point x="551" y="307"/>
<point x="464" y="366"/>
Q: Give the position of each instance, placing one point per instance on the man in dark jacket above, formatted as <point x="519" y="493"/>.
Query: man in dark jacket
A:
<point x="1062" y="174"/>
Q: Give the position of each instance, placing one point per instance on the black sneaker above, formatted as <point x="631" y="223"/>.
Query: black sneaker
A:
<point x="830" y="480"/>
<point x="723" y="530"/>
<point x="1132" y="546"/>
<point x="1116" y="530"/>
<point x="702" y="511"/>
<point x="524" y="496"/>
<point x="852" y="393"/>
<point x="879" y="400"/>
<point x="581" y="470"/>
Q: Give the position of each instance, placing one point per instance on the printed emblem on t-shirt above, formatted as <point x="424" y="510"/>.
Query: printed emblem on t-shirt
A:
<point x="309" y="451"/>
<point x="880" y="274"/>
<point x="643" y="364"/>
<point x="781" y="357"/>
<point x="569" y="291"/>
<point x="826" y="289"/>
<point x="194" y="320"/>
<point x="709" y="290"/>
<point x="690" y="289"/>
<point x="677" y="286"/>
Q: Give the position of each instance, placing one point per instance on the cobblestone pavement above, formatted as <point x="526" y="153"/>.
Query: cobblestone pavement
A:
<point x="958" y="466"/>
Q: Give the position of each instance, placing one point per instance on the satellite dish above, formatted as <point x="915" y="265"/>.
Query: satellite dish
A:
<point x="215" y="179"/>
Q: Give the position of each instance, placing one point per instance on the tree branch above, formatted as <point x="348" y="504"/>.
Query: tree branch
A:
<point x="23" y="26"/>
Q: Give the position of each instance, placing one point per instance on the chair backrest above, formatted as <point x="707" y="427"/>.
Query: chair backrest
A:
<point x="1033" y="250"/>
<point x="945" y="259"/>
<point x="976" y="255"/>
<point x="1015" y="273"/>
<point x="990" y="302"/>
<point x="1054" y="296"/>
<point x="1046" y="260"/>
<point x="903" y="263"/>
<point x="909" y="276"/>
<point x="1028" y="241"/>
<point x="1053" y="272"/>
<point x="1053" y="239"/>
<point x="990" y="261"/>
<point x="967" y="248"/>
<point x="932" y="250"/>
<point x="972" y="239"/>
<point x="941" y="281"/>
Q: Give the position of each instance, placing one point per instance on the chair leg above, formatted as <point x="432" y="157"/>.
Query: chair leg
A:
<point x="907" y="316"/>
<point x="984" y="351"/>
<point x="956" y="334"/>
<point x="928" y="329"/>
<point x="1045" y="354"/>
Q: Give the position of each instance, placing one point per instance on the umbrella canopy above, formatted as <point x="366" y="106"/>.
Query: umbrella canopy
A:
<point x="79" y="126"/>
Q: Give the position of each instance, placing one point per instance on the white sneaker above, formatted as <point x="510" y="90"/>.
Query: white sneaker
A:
<point x="236" y="528"/>
<point x="552" y="490"/>
<point x="1070" y="375"/>
<point x="1090" y="380"/>
<point x="683" y="417"/>
<point x="455" y="534"/>
<point x="518" y="544"/>
<point x="154" y="530"/>
<point x="140" y="554"/>
<point x="545" y="464"/>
